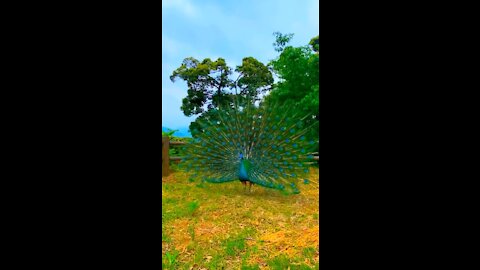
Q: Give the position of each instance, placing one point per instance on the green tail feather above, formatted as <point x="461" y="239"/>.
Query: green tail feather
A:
<point x="271" y="139"/>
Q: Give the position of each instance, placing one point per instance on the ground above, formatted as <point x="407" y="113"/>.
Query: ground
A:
<point x="219" y="226"/>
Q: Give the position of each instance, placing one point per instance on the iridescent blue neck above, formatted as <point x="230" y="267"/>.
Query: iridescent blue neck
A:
<point x="242" y="174"/>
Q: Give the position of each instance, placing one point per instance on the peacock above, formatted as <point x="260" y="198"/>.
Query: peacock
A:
<point x="262" y="145"/>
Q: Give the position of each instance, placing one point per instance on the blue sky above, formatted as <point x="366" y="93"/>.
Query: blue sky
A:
<point x="228" y="29"/>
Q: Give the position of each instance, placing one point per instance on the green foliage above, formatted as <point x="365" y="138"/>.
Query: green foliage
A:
<point x="169" y="133"/>
<point x="206" y="81"/>
<point x="281" y="41"/>
<point x="191" y="231"/>
<point x="315" y="43"/>
<point x="210" y="86"/>
<point x="254" y="78"/>
<point x="279" y="263"/>
<point x="216" y="262"/>
<point x="234" y="245"/>
<point x="250" y="267"/>
<point x="192" y="206"/>
<point x="201" y="184"/>
<point x="282" y="262"/>
<point x="165" y="236"/>
<point x="309" y="252"/>
<point x="181" y="209"/>
<point x="196" y="126"/>
<point x="298" y="70"/>
<point x="171" y="259"/>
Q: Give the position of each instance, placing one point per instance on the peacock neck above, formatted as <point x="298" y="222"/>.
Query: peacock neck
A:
<point x="242" y="173"/>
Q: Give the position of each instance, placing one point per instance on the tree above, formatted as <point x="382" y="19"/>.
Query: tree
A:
<point x="281" y="41"/>
<point x="254" y="79"/>
<point x="315" y="43"/>
<point x="206" y="83"/>
<point x="298" y="71"/>
<point x="210" y="86"/>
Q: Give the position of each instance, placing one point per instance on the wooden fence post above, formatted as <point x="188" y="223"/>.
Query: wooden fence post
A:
<point x="165" y="157"/>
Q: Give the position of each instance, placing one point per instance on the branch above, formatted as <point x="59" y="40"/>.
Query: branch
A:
<point x="220" y="82"/>
<point x="236" y="81"/>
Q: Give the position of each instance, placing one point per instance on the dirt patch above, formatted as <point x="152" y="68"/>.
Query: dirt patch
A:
<point x="206" y="230"/>
<point x="180" y="236"/>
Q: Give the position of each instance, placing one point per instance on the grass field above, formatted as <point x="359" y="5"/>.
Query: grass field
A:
<point x="219" y="226"/>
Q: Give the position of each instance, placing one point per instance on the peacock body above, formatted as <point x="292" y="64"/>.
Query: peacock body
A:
<point x="265" y="146"/>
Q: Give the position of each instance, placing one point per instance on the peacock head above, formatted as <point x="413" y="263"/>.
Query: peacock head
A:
<point x="240" y="156"/>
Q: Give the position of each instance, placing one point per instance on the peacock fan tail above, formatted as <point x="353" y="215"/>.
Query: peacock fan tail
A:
<point x="264" y="145"/>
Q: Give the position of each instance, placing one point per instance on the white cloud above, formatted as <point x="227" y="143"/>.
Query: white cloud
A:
<point x="173" y="47"/>
<point x="183" y="6"/>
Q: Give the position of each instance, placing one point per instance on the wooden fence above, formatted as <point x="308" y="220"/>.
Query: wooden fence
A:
<point x="166" y="143"/>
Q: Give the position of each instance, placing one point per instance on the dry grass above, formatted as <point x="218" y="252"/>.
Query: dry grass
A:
<point x="219" y="226"/>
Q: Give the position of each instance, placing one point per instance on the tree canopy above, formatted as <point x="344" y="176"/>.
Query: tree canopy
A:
<point x="298" y="71"/>
<point x="254" y="78"/>
<point x="206" y="83"/>
<point x="211" y="84"/>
